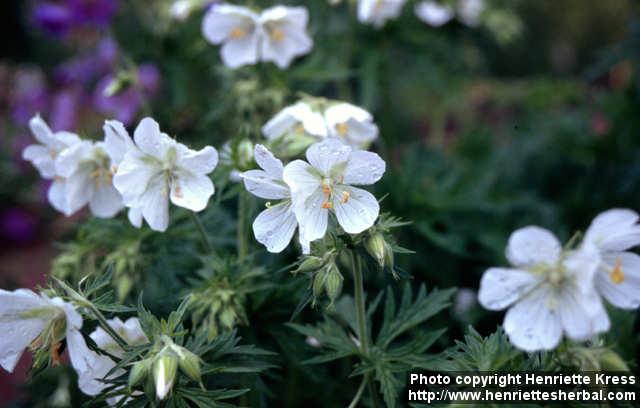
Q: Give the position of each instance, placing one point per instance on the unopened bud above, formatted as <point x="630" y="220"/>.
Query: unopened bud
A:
<point x="333" y="282"/>
<point x="189" y="364"/>
<point x="611" y="361"/>
<point x="377" y="248"/>
<point x="165" y="369"/>
<point x="118" y="84"/>
<point x="310" y="264"/>
<point x="318" y="283"/>
<point x="138" y="372"/>
<point x="245" y="153"/>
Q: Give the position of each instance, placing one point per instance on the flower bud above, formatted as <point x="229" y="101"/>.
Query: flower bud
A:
<point x="318" y="283"/>
<point x="245" y="153"/>
<point x="189" y="364"/>
<point x="120" y="83"/>
<point x="310" y="264"/>
<point x="333" y="282"/>
<point x="165" y="369"/>
<point x="377" y="248"/>
<point x="611" y="361"/>
<point x="138" y="372"/>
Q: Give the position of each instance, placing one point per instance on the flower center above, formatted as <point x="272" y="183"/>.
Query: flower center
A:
<point x="617" y="274"/>
<point x="277" y="34"/>
<point x="342" y="129"/>
<point x="237" y="33"/>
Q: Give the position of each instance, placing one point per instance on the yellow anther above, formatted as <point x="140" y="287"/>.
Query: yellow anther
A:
<point x="342" y="129"/>
<point x="178" y="192"/>
<point x="617" y="274"/>
<point x="237" y="33"/>
<point x="298" y="128"/>
<point x="277" y="34"/>
<point x="113" y="169"/>
<point x="327" y="205"/>
<point x="326" y="189"/>
<point x="345" y="197"/>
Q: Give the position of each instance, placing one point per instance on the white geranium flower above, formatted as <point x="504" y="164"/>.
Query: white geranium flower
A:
<point x="180" y="10"/>
<point x="614" y="232"/>
<point x="238" y="29"/>
<point x="278" y="34"/>
<point x="275" y="226"/>
<point x="325" y="184"/>
<point x="469" y="11"/>
<point x="28" y="319"/>
<point x="433" y="13"/>
<point x="352" y="124"/>
<point x="296" y="118"/>
<point x="548" y="291"/>
<point x="91" y="382"/>
<point x="377" y="12"/>
<point x="284" y="34"/>
<point x="44" y="155"/>
<point x="161" y="169"/>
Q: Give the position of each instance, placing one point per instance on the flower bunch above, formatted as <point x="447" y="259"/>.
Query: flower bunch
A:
<point x="553" y="291"/>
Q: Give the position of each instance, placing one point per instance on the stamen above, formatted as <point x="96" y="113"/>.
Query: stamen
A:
<point x="277" y="34"/>
<point x="178" y="192"/>
<point x="341" y="179"/>
<point x="237" y="33"/>
<point x="113" y="169"/>
<point x="327" y="205"/>
<point x="617" y="274"/>
<point x="268" y="204"/>
<point x="55" y="354"/>
<point x="345" y="197"/>
<point x="326" y="189"/>
<point x="342" y="129"/>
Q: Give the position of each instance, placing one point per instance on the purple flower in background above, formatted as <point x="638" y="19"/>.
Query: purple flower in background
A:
<point x="125" y="105"/>
<point x="28" y="94"/>
<point x="64" y="109"/>
<point x="86" y="68"/>
<point x="18" y="225"/>
<point x="58" y="18"/>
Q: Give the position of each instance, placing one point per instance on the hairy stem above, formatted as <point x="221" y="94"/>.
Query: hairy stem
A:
<point x="203" y="234"/>
<point x="243" y="207"/>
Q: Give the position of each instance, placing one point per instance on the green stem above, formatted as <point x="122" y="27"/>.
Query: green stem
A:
<point x="356" y="398"/>
<point x="359" y="300"/>
<point x="102" y="321"/>
<point x="203" y="233"/>
<point x="243" y="207"/>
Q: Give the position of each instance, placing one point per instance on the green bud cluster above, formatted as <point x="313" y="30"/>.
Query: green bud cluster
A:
<point x="217" y="306"/>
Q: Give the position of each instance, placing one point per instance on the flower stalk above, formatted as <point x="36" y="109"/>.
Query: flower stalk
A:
<point x="203" y="234"/>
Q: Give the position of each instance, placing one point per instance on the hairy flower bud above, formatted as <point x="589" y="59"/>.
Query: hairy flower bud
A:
<point x="379" y="250"/>
<point x="310" y="264"/>
<point x="165" y="368"/>
<point x="333" y="282"/>
<point x="318" y="283"/>
<point x="138" y="372"/>
<point x="611" y="361"/>
<point x="189" y="364"/>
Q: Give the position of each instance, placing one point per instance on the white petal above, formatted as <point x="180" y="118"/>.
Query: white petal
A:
<point x="117" y="141"/>
<point x="80" y="190"/>
<point x="433" y="13"/>
<point x="581" y="266"/>
<point x="327" y="154"/>
<point x="154" y="203"/>
<point x="70" y="159"/>
<point x="531" y="324"/>
<point x="135" y="216"/>
<point x="150" y="140"/>
<point x="614" y="230"/>
<point x="312" y="218"/>
<point x="57" y="196"/>
<point x="285" y="120"/>
<point x="41" y="131"/>
<point x="624" y="293"/>
<point x="275" y="226"/>
<point x="530" y="246"/>
<point x="342" y="112"/>
<point x="82" y="359"/>
<point x="191" y="191"/>
<point x="469" y="11"/>
<point x="363" y="168"/>
<point x="64" y="139"/>
<point x="18" y="332"/>
<point x="220" y="21"/>
<point x="501" y="287"/>
<point x="268" y="162"/>
<point x="262" y="185"/>
<point x="285" y="34"/>
<point x="581" y="314"/>
<point x="199" y="162"/>
<point x="42" y="159"/>
<point x="133" y="176"/>
<point x="243" y="51"/>
<point x="105" y="202"/>
<point x="360" y="134"/>
<point x="91" y="382"/>
<point x="301" y="179"/>
<point x="133" y="332"/>
<point x="356" y="209"/>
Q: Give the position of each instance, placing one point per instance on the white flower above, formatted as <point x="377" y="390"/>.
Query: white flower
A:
<point x="613" y="233"/>
<point x="352" y="124"/>
<point x="27" y="318"/>
<point x="469" y="11"/>
<point x="275" y="226"/>
<point x="285" y="36"/>
<point x="548" y="291"/>
<point x="44" y="155"/>
<point x="88" y="169"/>
<point x="238" y="29"/>
<point x="181" y="9"/>
<point x="91" y="381"/>
<point x="160" y="169"/>
<point x="325" y="184"/>
<point x="377" y="12"/>
<point x="295" y="118"/>
<point x="433" y="13"/>
<point x="278" y="34"/>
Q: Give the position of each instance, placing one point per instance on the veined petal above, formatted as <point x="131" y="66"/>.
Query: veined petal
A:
<point x="618" y="279"/>
<point x="531" y="324"/>
<point x="133" y="176"/>
<point x="106" y="201"/>
<point x="69" y="159"/>
<point x="154" y="203"/>
<point x="243" y="51"/>
<point x="150" y="140"/>
<point x="57" y="196"/>
<point x="285" y="34"/>
<point x="581" y="265"/>
<point x="501" y="287"/>
<point x="268" y="162"/>
<point x="221" y="20"/>
<point x="327" y="154"/>
<point x="262" y="185"/>
<point x="614" y="230"/>
<point x="135" y="216"/>
<point x="301" y="179"/>
<point x="133" y="332"/>
<point x="356" y="209"/>
<point x="312" y="217"/>
<point x="275" y="226"/>
<point x="360" y="134"/>
<point x="581" y="314"/>
<point x="530" y="246"/>
<point x="191" y="191"/>
<point x="202" y="161"/>
<point x="363" y="168"/>
<point x="91" y="382"/>
<point x="80" y="189"/>
<point x="117" y="141"/>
